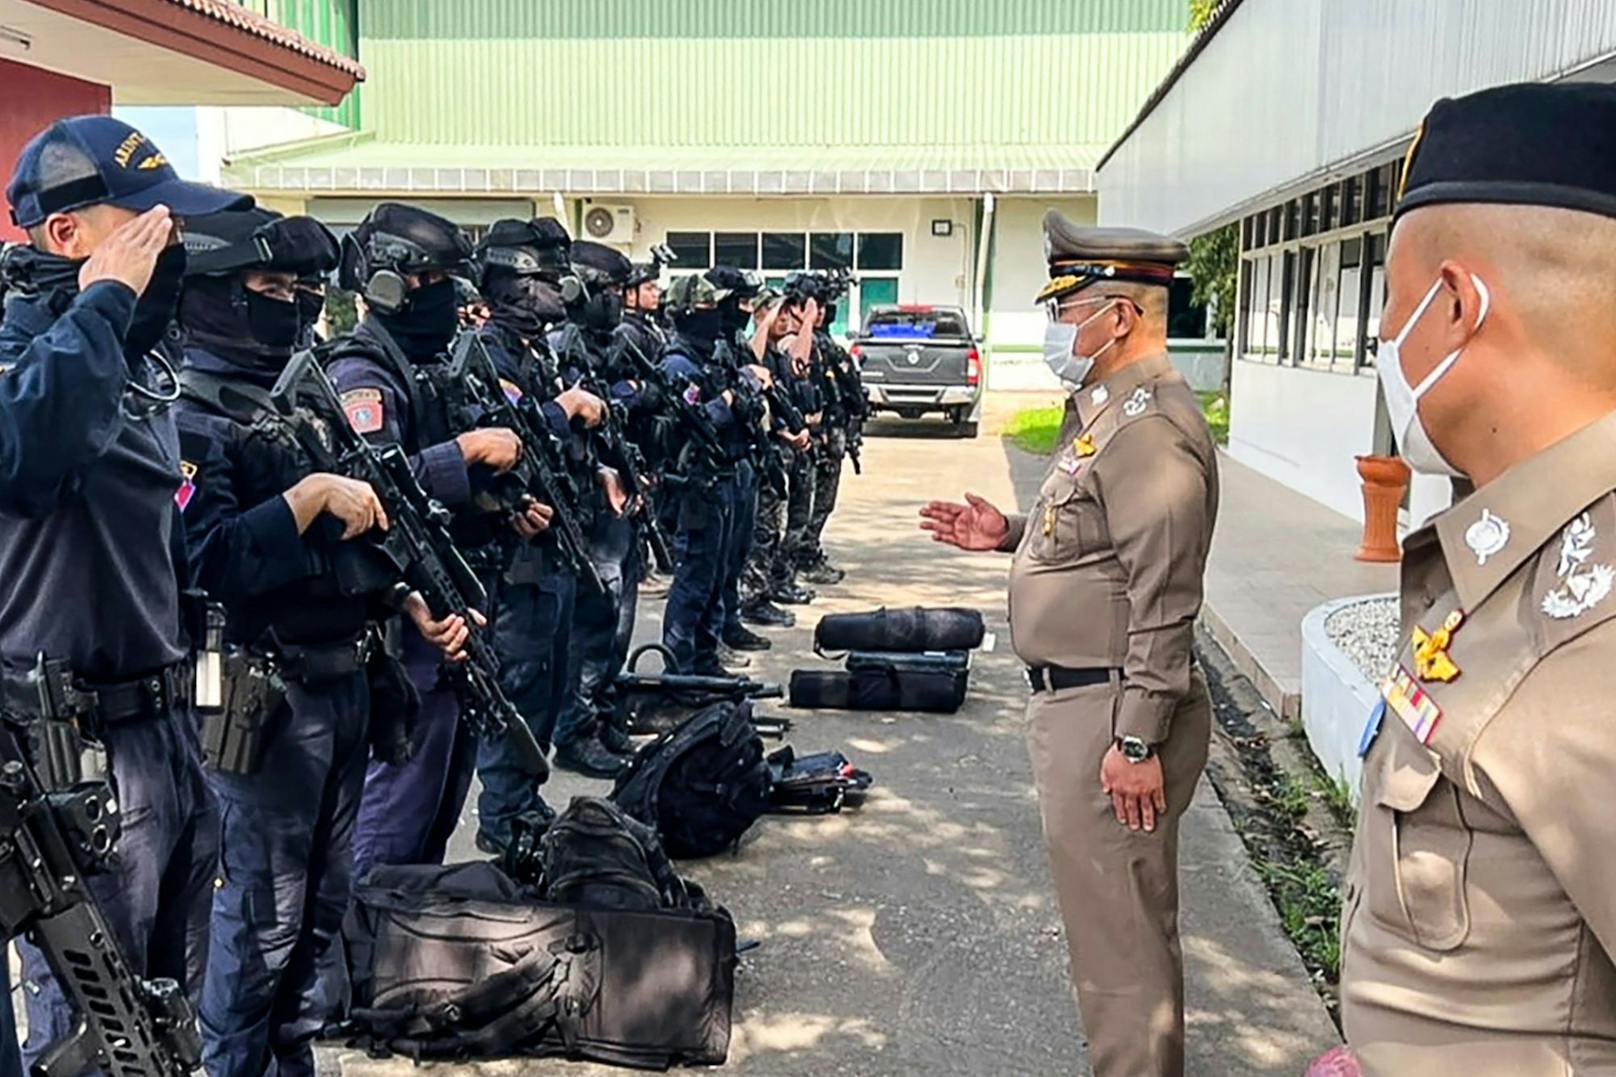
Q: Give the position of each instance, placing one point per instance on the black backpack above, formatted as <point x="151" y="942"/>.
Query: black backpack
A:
<point x="701" y="785"/>
<point x="596" y="855"/>
<point x="816" y="784"/>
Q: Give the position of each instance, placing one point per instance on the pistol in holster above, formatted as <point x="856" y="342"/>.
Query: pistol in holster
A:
<point x="237" y="692"/>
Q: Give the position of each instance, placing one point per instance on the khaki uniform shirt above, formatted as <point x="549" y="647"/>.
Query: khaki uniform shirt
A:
<point x="1481" y="904"/>
<point x="1108" y="564"/>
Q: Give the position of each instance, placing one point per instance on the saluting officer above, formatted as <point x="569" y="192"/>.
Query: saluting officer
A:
<point x="1104" y="590"/>
<point x="89" y="468"/>
<point x="1480" y="914"/>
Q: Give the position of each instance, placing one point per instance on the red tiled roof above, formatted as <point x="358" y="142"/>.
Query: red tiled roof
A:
<point x="273" y="32"/>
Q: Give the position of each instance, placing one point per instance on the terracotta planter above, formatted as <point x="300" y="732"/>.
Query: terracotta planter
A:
<point x="1385" y="478"/>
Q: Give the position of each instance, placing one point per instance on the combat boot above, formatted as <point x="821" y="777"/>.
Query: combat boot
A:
<point x="732" y="658"/>
<point x="823" y="572"/>
<point x="739" y="638"/>
<point x="763" y="612"/>
<point x="616" y="738"/>
<point x="586" y="755"/>
<point x="791" y="594"/>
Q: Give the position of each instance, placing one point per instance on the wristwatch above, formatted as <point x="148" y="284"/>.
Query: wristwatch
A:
<point x="1134" y="750"/>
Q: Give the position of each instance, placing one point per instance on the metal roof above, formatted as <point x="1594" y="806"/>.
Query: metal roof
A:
<point x="272" y="32"/>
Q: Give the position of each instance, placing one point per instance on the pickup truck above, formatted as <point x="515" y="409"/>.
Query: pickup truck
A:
<point x="917" y="360"/>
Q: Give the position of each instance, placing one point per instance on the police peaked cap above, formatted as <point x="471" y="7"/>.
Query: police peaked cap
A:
<point x="258" y="238"/>
<point x="596" y="263"/>
<point x="523" y="247"/>
<point x="1079" y="256"/>
<point x="1528" y="144"/>
<point x="408" y="239"/>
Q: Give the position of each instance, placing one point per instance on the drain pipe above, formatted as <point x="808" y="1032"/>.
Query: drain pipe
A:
<point x="984" y="248"/>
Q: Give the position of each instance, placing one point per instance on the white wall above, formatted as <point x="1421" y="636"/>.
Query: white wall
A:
<point x="224" y="132"/>
<point x="1303" y="428"/>
<point x="1287" y="88"/>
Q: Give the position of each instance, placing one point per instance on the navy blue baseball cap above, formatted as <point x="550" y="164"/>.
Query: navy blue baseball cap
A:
<point x="89" y="160"/>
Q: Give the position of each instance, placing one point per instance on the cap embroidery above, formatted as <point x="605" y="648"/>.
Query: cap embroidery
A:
<point x="1581" y="588"/>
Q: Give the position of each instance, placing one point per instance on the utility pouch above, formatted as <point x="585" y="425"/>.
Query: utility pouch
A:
<point x="233" y="733"/>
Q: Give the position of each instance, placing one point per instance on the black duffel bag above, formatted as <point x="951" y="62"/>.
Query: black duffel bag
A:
<point x="459" y="963"/>
<point x="915" y="629"/>
<point x="880" y="689"/>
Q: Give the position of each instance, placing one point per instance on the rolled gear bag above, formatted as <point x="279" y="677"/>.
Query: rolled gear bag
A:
<point x="815" y="784"/>
<point x="701" y="785"/>
<point x="880" y="688"/>
<point x="460" y="963"/>
<point x="916" y="629"/>
<point x="904" y="661"/>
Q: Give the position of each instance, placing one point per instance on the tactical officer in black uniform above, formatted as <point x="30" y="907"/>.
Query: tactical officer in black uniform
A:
<point x="708" y="493"/>
<point x="836" y="374"/>
<point x="521" y="266"/>
<point x="400" y="260"/>
<point x="603" y="622"/>
<point x="286" y="739"/>
<point x="89" y="469"/>
<point x="642" y="330"/>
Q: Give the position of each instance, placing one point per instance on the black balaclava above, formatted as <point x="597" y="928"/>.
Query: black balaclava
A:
<point x="602" y="312"/>
<point x="732" y="319"/>
<point x="310" y="305"/>
<point x="526" y="304"/>
<point x="427" y="322"/>
<point x="157" y="305"/>
<point x="245" y="328"/>
<point x="700" y="324"/>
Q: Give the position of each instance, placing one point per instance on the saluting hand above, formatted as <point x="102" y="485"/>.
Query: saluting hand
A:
<point x="130" y="253"/>
<point x="1138" y="791"/>
<point x="975" y="525"/>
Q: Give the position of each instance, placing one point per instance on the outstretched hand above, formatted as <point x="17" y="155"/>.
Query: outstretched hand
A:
<point x="975" y="525"/>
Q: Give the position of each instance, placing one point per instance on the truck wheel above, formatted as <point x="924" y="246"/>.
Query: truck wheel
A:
<point x="964" y="430"/>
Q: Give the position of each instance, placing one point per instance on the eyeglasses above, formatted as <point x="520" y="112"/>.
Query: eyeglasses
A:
<point x="1053" y="306"/>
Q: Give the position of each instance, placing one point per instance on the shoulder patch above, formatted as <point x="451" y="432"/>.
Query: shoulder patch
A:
<point x="187" y="487"/>
<point x="364" y="409"/>
<point x="1136" y="404"/>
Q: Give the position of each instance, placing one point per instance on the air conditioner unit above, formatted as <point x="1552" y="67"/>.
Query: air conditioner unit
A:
<point x="609" y="224"/>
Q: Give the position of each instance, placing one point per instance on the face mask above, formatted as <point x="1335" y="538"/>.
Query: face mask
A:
<point x="217" y="314"/>
<point x="310" y="305"/>
<point x="702" y="325"/>
<point x="155" y="309"/>
<point x="1060" y="342"/>
<point x="525" y="305"/>
<point x="602" y="312"/>
<point x="1403" y="400"/>
<point x="428" y="321"/>
<point x="732" y="319"/>
<point x="275" y="323"/>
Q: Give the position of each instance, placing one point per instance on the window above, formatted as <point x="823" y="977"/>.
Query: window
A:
<point x="738" y="249"/>
<point x="1259" y="306"/>
<point x="1382" y="185"/>
<point x="785" y="250"/>
<point x="1293" y="218"/>
<point x="880" y="250"/>
<point x="1186" y="319"/>
<point x="1246" y="229"/>
<point x="1329" y="208"/>
<point x="1286" y="273"/>
<point x="1351" y="200"/>
<point x="1346" y="354"/>
<point x="1375" y="297"/>
<point x="830" y="250"/>
<point x="1301" y="306"/>
<point x="1243" y="316"/>
<point x="1326" y="284"/>
<point x="1310" y="214"/>
<point x="694" y="249"/>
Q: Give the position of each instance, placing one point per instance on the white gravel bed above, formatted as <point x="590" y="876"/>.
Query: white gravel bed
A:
<point x="1367" y="633"/>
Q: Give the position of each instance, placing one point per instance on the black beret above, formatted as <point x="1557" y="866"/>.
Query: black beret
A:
<point x="1079" y="256"/>
<point x="597" y="263"/>
<point x="523" y="247"/>
<point x="1529" y="144"/>
<point x="257" y="238"/>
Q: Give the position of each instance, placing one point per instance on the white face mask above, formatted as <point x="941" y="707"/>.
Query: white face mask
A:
<point x="1403" y="400"/>
<point x="1060" y="344"/>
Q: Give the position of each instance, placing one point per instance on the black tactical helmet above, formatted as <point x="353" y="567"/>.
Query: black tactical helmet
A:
<point x="740" y="284"/>
<point x="223" y="243"/>
<point x="649" y="272"/>
<point x="599" y="265"/>
<point x="525" y="248"/>
<point x="394" y="240"/>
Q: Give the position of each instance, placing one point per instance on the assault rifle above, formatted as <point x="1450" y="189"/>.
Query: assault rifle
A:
<point x="540" y="472"/>
<point x="627" y="455"/>
<point x="698" y="425"/>
<point x="416" y="545"/>
<point x="124" y="1026"/>
<point x="646" y="698"/>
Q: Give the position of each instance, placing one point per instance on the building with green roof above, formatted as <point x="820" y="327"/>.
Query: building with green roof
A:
<point x="916" y="141"/>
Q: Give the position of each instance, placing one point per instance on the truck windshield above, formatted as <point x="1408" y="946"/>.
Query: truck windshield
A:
<point x="915" y="324"/>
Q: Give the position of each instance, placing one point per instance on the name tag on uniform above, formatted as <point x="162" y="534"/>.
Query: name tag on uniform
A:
<point x="1403" y="694"/>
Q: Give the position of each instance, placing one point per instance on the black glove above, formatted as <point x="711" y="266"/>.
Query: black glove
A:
<point x="394" y="707"/>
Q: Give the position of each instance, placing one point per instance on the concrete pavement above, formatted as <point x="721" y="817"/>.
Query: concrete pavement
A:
<point x="920" y="934"/>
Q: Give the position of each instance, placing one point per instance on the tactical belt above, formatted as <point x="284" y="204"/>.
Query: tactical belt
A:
<point x="324" y="661"/>
<point x="151" y="696"/>
<point x="1054" y="678"/>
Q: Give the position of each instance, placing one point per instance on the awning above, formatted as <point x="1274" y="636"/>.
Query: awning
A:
<point x="360" y="164"/>
<point x="156" y="52"/>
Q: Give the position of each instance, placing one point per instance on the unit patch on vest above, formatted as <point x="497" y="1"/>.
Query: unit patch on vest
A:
<point x="513" y="392"/>
<point x="1582" y="586"/>
<point x="187" y="490"/>
<point x="1409" y="702"/>
<point x="364" y="409"/>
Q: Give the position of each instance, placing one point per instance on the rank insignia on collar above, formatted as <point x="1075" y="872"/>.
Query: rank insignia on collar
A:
<point x="1083" y="445"/>
<point x="1408" y="701"/>
<point x="1431" y="661"/>
<point x="1136" y="404"/>
<point x="1099" y="395"/>
<point x="1582" y="586"/>
<point x="1487" y="536"/>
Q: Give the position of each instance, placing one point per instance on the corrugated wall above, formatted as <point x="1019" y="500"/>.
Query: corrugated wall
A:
<point x="763" y="72"/>
<point x="332" y="23"/>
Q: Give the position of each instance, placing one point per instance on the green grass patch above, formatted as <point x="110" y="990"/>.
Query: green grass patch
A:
<point x="1310" y="910"/>
<point x="1215" y="406"/>
<point x="1034" y="429"/>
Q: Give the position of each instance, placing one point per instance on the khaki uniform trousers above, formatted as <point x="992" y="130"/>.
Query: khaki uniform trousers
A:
<point x="1118" y="888"/>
